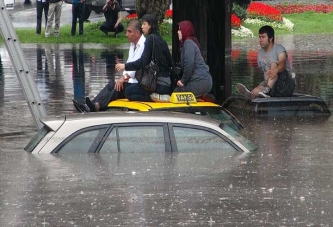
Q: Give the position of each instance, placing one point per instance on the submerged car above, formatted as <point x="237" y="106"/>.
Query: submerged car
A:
<point x="135" y="132"/>
<point x="184" y="102"/>
<point x="297" y="105"/>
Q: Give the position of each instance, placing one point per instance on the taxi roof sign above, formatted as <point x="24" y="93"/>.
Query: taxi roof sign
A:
<point x="183" y="97"/>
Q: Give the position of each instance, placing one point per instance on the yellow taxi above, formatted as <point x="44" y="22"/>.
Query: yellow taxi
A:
<point x="184" y="102"/>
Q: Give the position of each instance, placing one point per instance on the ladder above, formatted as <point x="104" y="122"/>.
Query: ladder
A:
<point x="20" y="65"/>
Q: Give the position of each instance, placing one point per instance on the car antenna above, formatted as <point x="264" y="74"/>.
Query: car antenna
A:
<point x="67" y="94"/>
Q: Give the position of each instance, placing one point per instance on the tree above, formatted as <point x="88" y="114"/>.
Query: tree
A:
<point x="152" y="6"/>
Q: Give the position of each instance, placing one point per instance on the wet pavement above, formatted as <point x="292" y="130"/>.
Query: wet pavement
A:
<point x="286" y="182"/>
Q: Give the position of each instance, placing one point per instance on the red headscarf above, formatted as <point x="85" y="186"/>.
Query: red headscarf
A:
<point x="187" y="29"/>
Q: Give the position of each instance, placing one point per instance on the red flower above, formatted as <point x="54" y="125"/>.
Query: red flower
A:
<point x="131" y="16"/>
<point x="258" y="9"/>
<point x="235" y="21"/>
<point x="235" y="54"/>
<point x="252" y="57"/>
<point x="301" y="8"/>
<point x="168" y="13"/>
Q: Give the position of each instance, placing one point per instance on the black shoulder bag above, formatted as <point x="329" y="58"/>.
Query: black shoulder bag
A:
<point x="148" y="78"/>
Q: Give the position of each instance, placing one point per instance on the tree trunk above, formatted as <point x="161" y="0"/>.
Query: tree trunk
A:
<point x="158" y="7"/>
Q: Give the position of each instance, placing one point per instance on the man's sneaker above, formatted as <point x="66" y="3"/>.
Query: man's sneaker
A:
<point x="90" y="104"/>
<point x="265" y="92"/>
<point x="82" y="108"/>
<point x="160" y="98"/>
<point x="263" y="95"/>
<point x="244" y="91"/>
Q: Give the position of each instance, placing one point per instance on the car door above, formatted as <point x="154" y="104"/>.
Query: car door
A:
<point x="136" y="137"/>
<point x="191" y="138"/>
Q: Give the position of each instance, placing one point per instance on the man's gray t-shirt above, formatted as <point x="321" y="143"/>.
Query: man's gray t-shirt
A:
<point x="266" y="58"/>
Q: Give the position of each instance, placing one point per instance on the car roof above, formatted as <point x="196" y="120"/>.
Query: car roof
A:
<point x="91" y="119"/>
<point x="147" y="106"/>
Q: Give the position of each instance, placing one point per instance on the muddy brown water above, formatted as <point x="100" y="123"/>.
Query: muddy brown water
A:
<point x="286" y="182"/>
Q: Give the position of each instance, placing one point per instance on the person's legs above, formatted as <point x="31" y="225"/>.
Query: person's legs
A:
<point x="75" y="9"/>
<point x="136" y="93"/>
<point x="46" y="11"/>
<point x="163" y="90"/>
<point x="57" y="18"/>
<point x="119" y="29"/>
<point x="39" y="11"/>
<point x="264" y="91"/>
<point x="244" y="91"/>
<point x="50" y="17"/>
<point x="81" y="17"/>
<point x="102" y="99"/>
<point x="104" y="28"/>
<point x="284" y="86"/>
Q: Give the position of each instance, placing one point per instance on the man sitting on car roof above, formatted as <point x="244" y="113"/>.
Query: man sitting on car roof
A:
<point x="113" y="91"/>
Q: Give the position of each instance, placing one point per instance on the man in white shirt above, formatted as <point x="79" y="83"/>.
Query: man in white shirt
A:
<point x="113" y="91"/>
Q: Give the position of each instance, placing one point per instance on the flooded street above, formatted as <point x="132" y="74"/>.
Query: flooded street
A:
<point x="286" y="182"/>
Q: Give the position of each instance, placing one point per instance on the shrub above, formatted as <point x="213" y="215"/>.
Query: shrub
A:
<point x="239" y="11"/>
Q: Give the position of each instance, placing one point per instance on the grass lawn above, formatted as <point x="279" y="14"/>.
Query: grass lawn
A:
<point x="304" y="23"/>
<point x="92" y="34"/>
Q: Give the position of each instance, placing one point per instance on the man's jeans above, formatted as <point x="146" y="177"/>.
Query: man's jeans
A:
<point x="54" y="12"/>
<point x="77" y="12"/>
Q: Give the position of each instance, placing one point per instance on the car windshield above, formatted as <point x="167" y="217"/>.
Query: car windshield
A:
<point x="215" y="112"/>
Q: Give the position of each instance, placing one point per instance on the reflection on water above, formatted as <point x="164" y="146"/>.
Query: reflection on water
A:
<point x="286" y="182"/>
<point x="312" y="63"/>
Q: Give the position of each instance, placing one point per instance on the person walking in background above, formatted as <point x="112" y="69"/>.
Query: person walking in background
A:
<point x="78" y="7"/>
<point x="54" y="12"/>
<point x="113" y="18"/>
<point x="273" y="60"/>
<point x="113" y="90"/>
<point x="196" y="77"/>
<point x="41" y="5"/>
<point x="162" y="57"/>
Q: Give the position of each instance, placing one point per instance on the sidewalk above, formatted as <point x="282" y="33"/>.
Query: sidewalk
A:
<point x="24" y="16"/>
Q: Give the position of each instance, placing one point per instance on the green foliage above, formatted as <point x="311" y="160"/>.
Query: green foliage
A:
<point x="242" y="3"/>
<point x="157" y="7"/>
<point x="165" y="29"/>
<point x="239" y="11"/>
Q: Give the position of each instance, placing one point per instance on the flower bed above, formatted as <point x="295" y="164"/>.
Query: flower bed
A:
<point x="301" y="8"/>
<point x="263" y="11"/>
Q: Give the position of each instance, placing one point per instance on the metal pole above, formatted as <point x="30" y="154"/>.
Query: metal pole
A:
<point x="20" y="65"/>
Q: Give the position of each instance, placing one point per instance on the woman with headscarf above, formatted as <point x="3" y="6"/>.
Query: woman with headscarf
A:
<point x="162" y="57"/>
<point x="196" y="77"/>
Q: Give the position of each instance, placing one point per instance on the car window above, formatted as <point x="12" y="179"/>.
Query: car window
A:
<point x="136" y="138"/>
<point x="36" y="139"/>
<point x="198" y="140"/>
<point x="215" y="112"/>
<point x="81" y="143"/>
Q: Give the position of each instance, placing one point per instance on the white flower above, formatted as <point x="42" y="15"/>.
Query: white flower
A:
<point x="285" y="24"/>
<point x="242" y="32"/>
<point x="168" y="21"/>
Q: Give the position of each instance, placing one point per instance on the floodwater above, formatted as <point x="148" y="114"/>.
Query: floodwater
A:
<point x="286" y="182"/>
